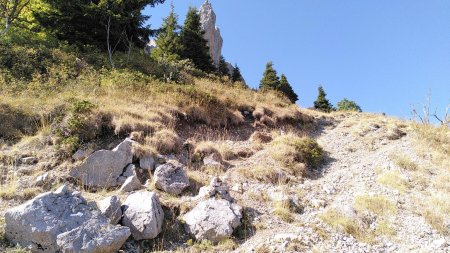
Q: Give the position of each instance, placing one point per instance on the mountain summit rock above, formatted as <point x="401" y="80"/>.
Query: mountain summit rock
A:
<point x="212" y="32"/>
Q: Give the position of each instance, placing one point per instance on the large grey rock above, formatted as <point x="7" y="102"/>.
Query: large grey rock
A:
<point x="92" y="237"/>
<point x="171" y="178"/>
<point x="104" y="167"/>
<point x="111" y="208"/>
<point x="131" y="184"/>
<point x="143" y="214"/>
<point x="212" y="32"/>
<point x="213" y="219"/>
<point x="62" y="221"/>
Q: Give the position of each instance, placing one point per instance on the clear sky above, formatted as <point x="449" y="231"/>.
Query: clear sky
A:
<point x="386" y="55"/>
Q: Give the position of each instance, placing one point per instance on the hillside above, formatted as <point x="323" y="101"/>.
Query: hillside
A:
<point x="382" y="185"/>
<point x="163" y="148"/>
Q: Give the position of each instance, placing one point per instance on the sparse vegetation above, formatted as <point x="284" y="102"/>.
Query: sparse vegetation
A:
<point x="377" y="204"/>
<point x="296" y="153"/>
<point x="405" y="162"/>
<point x="394" y="180"/>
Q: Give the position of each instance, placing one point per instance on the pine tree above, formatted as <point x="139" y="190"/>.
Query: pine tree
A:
<point x="83" y="22"/>
<point x="236" y="75"/>
<point x="287" y="90"/>
<point x="348" y="105"/>
<point x="322" y="102"/>
<point x="168" y="41"/>
<point x="223" y="67"/>
<point x="270" y="79"/>
<point x="195" y="47"/>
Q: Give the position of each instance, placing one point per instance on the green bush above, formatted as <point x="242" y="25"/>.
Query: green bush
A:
<point x="295" y="152"/>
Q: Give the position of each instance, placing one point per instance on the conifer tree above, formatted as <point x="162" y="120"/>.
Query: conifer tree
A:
<point x="168" y="41"/>
<point x="287" y="90"/>
<point x="195" y="47"/>
<point x="322" y="102"/>
<point x="348" y="105"/>
<point x="270" y="79"/>
<point x="236" y="75"/>
<point x="223" y="67"/>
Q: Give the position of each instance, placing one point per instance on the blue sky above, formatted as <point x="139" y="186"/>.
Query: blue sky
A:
<point x="386" y="55"/>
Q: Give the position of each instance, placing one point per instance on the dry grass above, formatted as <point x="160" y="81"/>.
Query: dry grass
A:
<point x="165" y="141"/>
<point x="267" y="174"/>
<point x="286" y="210"/>
<point x="11" y="191"/>
<point x="436" y="211"/>
<point x="385" y="228"/>
<point x="296" y="153"/>
<point x="394" y="180"/>
<point x="340" y="221"/>
<point x="204" y="149"/>
<point x="377" y="204"/>
<point x="404" y="162"/>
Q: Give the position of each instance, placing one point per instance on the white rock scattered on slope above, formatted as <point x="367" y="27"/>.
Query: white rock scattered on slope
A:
<point x="111" y="208"/>
<point x="104" y="167"/>
<point x="171" y="178"/>
<point x="143" y="214"/>
<point x="62" y="220"/>
<point x="131" y="184"/>
<point x="213" y="219"/>
<point x="212" y="32"/>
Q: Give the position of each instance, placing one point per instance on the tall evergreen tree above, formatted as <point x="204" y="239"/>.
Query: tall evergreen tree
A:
<point x="322" y="102"/>
<point x="223" y="67"/>
<point x="168" y="41"/>
<point x="195" y="47"/>
<point x="286" y="88"/>
<point x="85" y="22"/>
<point x="270" y="79"/>
<point x="236" y="76"/>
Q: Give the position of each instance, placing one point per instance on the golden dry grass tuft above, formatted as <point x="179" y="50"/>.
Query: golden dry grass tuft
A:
<point x="377" y="204"/>
<point x="393" y="179"/>
<point x="165" y="141"/>
<point x="267" y="174"/>
<point x="404" y="162"/>
<point x="296" y="153"/>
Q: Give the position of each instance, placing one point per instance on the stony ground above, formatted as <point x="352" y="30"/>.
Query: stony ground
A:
<point x="359" y="200"/>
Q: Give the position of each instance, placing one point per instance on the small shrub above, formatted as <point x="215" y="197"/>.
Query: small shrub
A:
<point x="294" y="152"/>
<point x="204" y="149"/>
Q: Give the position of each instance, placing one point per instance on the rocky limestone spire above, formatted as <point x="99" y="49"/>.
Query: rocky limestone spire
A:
<point x="212" y="32"/>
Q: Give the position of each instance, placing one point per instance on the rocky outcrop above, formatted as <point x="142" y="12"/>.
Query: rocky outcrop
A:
<point x="213" y="220"/>
<point x="61" y="221"/>
<point x="212" y="32"/>
<point x="143" y="214"/>
<point x="104" y="167"/>
<point x="215" y="189"/>
<point x="171" y="178"/>
<point x="111" y="208"/>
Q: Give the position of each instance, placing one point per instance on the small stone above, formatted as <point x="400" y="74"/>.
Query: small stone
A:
<point x="29" y="160"/>
<point x="171" y="178"/>
<point x="42" y="180"/>
<point x="82" y="154"/>
<point x="131" y="184"/>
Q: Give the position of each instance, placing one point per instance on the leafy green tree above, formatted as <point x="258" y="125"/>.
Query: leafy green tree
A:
<point x="168" y="41"/>
<point x="236" y="76"/>
<point x="270" y="79"/>
<point x="286" y="88"/>
<point x="88" y="22"/>
<point x="223" y="67"/>
<point x="195" y="46"/>
<point x="10" y="11"/>
<point x="322" y="102"/>
<point x="348" y="105"/>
